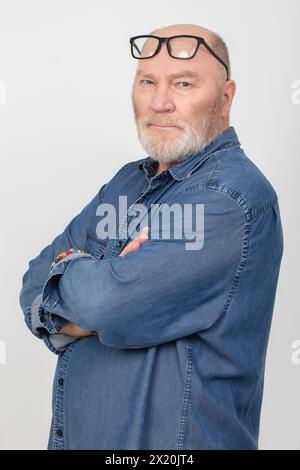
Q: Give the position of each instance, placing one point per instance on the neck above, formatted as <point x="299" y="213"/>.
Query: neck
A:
<point x="164" y="166"/>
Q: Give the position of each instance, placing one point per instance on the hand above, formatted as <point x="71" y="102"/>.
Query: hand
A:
<point x="70" y="328"/>
<point x="135" y="244"/>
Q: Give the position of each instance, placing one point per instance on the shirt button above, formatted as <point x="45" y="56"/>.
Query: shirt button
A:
<point x="59" y="432"/>
<point x="60" y="381"/>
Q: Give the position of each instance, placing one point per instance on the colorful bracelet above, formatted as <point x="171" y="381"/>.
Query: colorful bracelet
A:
<point x="63" y="254"/>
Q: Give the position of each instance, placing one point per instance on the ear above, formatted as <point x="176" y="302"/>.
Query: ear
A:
<point x="228" y="95"/>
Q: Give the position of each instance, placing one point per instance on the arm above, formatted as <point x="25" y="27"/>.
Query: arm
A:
<point x="74" y="235"/>
<point x="74" y="330"/>
<point x="159" y="293"/>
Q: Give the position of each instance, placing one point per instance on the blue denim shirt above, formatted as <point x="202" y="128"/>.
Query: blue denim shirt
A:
<point x="179" y="359"/>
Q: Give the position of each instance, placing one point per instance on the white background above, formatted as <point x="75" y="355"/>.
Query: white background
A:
<point x="67" y="125"/>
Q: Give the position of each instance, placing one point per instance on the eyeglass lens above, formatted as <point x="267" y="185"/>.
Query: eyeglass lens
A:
<point x="180" y="47"/>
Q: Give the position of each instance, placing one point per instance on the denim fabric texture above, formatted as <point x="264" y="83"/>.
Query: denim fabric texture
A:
<point x="179" y="359"/>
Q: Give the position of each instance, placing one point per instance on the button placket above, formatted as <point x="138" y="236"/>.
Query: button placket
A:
<point x="154" y="182"/>
<point x="58" y="412"/>
<point x="119" y="243"/>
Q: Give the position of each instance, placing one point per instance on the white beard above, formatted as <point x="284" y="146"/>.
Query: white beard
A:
<point x="167" y="147"/>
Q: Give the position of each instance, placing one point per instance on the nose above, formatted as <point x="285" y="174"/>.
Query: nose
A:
<point x="161" y="101"/>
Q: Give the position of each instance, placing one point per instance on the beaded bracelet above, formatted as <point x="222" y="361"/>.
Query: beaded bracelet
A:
<point x="63" y="254"/>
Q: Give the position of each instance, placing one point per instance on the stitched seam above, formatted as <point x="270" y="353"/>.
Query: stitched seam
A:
<point x="28" y="320"/>
<point x="170" y="186"/>
<point x="50" y="345"/>
<point x="42" y="335"/>
<point x="186" y="398"/>
<point x="240" y="269"/>
<point x="245" y="244"/>
<point x="256" y="212"/>
<point x="252" y="395"/>
<point x="223" y="149"/>
<point x="235" y="196"/>
<point x="215" y="170"/>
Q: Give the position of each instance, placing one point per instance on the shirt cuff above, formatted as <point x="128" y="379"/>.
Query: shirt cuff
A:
<point x="50" y="321"/>
<point x="55" y="321"/>
<point x="54" y="341"/>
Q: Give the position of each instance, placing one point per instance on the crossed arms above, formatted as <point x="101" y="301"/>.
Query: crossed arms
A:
<point x="158" y="293"/>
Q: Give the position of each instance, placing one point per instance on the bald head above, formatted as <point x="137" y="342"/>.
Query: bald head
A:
<point x="214" y="40"/>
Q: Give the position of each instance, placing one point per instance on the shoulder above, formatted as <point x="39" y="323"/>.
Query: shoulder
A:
<point x="125" y="176"/>
<point x="233" y="174"/>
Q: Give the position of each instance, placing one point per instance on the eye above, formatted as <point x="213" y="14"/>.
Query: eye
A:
<point x="186" y="83"/>
<point x="146" y="80"/>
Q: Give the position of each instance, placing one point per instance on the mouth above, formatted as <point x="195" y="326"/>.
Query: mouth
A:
<point x="163" y="127"/>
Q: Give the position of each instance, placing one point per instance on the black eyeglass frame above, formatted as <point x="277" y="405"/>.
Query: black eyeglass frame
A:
<point x="166" y="40"/>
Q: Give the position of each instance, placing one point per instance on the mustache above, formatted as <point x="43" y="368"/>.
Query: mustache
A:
<point x="149" y="123"/>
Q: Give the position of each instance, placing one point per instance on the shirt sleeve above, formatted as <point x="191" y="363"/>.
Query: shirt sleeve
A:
<point x="56" y="342"/>
<point x="161" y="292"/>
<point x="73" y="236"/>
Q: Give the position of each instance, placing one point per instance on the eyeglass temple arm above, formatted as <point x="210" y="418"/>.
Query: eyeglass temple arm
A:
<point x="216" y="56"/>
<point x="135" y="46"/>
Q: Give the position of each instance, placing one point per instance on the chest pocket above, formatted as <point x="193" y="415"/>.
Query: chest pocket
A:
<point x="95" y="246"/>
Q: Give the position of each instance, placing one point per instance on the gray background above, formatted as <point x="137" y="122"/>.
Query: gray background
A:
<point x="66" y="126"/>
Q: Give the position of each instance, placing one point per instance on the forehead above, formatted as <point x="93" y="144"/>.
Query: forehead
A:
<point x="180" y="73"/>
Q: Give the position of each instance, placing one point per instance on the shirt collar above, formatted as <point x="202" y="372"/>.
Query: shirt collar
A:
<point x="228" y="138"/>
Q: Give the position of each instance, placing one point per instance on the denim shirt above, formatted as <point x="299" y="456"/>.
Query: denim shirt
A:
<point x="179" y="359"/>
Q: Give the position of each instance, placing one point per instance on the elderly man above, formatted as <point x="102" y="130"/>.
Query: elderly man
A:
<point x="162" y="344"/>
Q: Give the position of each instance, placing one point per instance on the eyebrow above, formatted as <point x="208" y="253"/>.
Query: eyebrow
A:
<point x="184" y="73"/>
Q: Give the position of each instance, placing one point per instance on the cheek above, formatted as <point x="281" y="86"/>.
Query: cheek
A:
<point x="204" y="99"/>
<point x="138" y="96"/>
<point x="208" y="89"/>
<point x="140" y="100"/>
<point x="206" y="95"/>
<point x="190" y="110"/>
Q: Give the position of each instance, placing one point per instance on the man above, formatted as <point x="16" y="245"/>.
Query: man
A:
<point x="162" y="345"/>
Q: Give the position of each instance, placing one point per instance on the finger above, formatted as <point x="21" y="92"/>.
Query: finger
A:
<point x="71" y="329"/>
<point x="144" y="234"/>
<point x="132" y="246"/>
<point x="135" y="244"/>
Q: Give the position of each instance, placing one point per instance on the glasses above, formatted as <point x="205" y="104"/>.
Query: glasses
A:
<point x="183" y="46"/>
